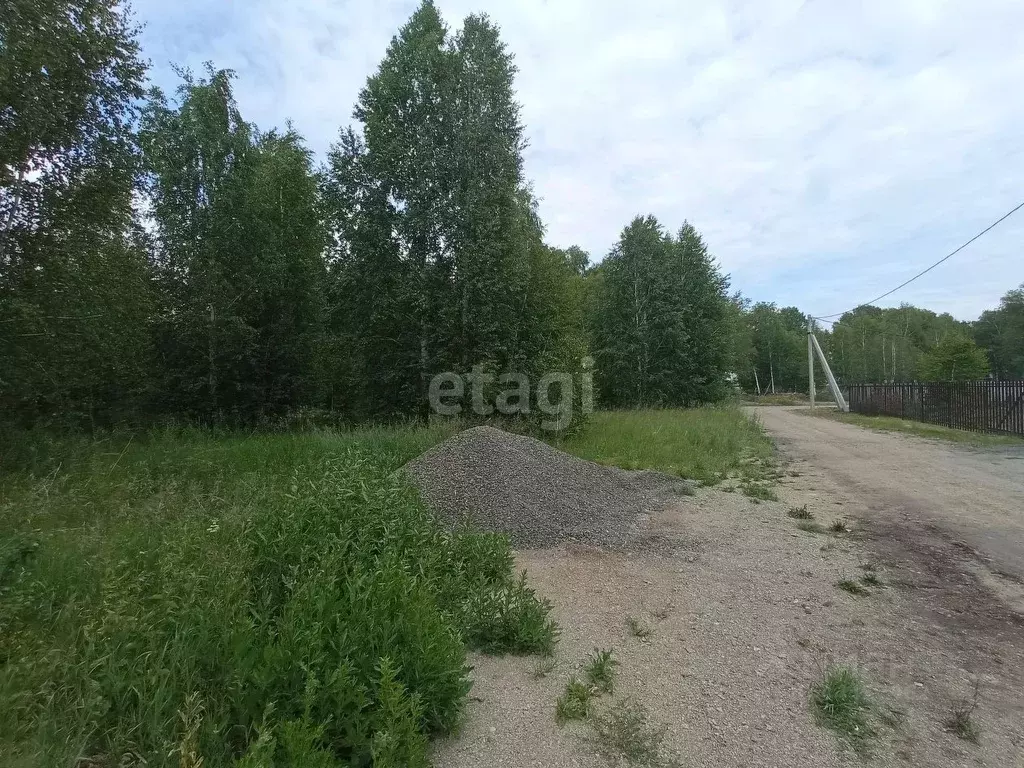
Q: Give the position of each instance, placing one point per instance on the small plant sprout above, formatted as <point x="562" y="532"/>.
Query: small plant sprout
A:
<point x="626" y="733"/>
<point x="800" y="513"/>
<point x="839" y="526"/>
<point x="545" y="666"/>
<point x="840" y="702"/>
<point x="871" y="579"/>
<point x="574" y="703"/>
<point x="600" y="670"/>
<point x="853" y="587"/>
<point x="961" y="722"/>
<point x="637" y="628"/>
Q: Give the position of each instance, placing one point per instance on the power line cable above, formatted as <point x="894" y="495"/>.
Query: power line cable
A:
<point x="990" y="227"/>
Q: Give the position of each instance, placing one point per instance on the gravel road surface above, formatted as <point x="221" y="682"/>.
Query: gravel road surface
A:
<point x="746" y="615"/>
<point x="975" y="494"/>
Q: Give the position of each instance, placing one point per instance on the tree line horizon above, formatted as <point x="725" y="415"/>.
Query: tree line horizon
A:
<point x="163" y="258"/>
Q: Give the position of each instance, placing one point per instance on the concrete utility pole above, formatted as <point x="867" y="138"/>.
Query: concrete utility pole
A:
<point x="836" y="393"/>
<point x="813" y="347"/>
<point x="810" y="362"/>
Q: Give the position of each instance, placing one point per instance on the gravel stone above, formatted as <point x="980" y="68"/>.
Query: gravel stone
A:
<point x="540" y="496"/>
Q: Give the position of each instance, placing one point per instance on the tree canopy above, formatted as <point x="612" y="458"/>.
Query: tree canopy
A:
<point x="661" y="327"/>
<point x="163" y="257"/>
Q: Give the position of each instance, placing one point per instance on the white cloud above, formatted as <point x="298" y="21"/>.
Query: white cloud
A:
<point x="826" y="150"/>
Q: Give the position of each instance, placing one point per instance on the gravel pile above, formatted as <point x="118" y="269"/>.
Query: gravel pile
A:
<point x="540" y="496"/>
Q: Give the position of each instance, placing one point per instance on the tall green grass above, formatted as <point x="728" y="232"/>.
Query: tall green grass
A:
<point x="267" y="600"/>
<point x="704" y="444"/>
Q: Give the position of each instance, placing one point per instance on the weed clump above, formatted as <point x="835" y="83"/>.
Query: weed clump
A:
<point x="600" y="670"/>
<point x="509" y="618"/>
<point x="800" y="513"/>
<point x="545" y="666"/>
<point x="961" y="721"/>
<point x="639" y="629"/>
<point x="871" y="579"/>
<point x="757" y="490"/>
<point x="810" y="526"/>
<point x="853" y="587"/>
<point x="626" y="732"/>
<point x="574" y="703"/>
<point x="840" y="702"/>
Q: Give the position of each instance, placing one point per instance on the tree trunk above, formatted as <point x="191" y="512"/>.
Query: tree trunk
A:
<point x="10" y="216"/>
<point x="211" y="354"/>
<point x="424" y="377"/>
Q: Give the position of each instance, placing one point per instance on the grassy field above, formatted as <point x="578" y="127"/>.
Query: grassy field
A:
<point x="704" y="444"/>
<point x="248" y="600"/>
<point x="188" y="598"/>
<point x="919" y="429"/>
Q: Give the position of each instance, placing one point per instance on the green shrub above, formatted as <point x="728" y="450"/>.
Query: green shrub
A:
<point x="508" y="618"/>
<point x="574" y="703"/>
<point x="184" y="581"/>
<point x="840" y="702"/>
<point x="600" y="669"/>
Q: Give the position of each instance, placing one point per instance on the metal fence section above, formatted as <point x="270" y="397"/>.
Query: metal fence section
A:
<point x="979" y="406"/>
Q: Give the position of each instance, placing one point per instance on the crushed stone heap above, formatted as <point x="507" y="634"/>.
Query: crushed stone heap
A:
<point x="540" y="496"/>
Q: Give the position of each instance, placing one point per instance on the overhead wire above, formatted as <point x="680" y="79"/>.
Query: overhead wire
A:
<point x="990" y="227"/>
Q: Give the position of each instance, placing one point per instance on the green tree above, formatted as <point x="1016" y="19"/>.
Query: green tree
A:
<point x="699" y="358"/>
<point x="1000" y="332"/>
<point x="239" y="245"/>
<point x="955" y="358"/>
<point x="489" y="224"/>
<point x="405" y="109"/>
<point x="577" y="259"/>
<point x="74" y="287"/>
<point x="741" y="338"/>
<point x="372" y="293"/>
<point x="437" y="245"/>
<point x="631" y="315"/>
<point x="778" y="361"/>
<point x="873" y="345"/>
<point x="662" y="324"/>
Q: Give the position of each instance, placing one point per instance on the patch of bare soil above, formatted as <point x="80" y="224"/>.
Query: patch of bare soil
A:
<point x="743" y="620"/>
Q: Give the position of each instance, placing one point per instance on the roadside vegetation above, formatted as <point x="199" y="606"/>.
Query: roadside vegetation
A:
<point x="853" y="587"/>
<point x="840" y="702"/>
<point x="961" y="721"/>
<point x="919" y="429"/>
<point x="805" y="521"/>
<point x="274" y="600"/>
<point x="625" y="732"/>
<point x="574" y="703"/>
<point x="601" y="669"/>
<point x="639" y="629"/>
<point x="706" y="444"/>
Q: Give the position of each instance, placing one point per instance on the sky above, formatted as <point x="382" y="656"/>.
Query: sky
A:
<point x="827" y="150"/>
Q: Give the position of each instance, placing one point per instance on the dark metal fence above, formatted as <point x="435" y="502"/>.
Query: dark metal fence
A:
<point x="980" y="406"/>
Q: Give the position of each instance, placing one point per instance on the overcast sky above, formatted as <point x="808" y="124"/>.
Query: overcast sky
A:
<point x="827" y="150"/>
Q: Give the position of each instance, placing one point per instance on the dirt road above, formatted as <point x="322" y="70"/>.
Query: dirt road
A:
<point x="974" y="495"/>
<point x="746" y="614"/>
